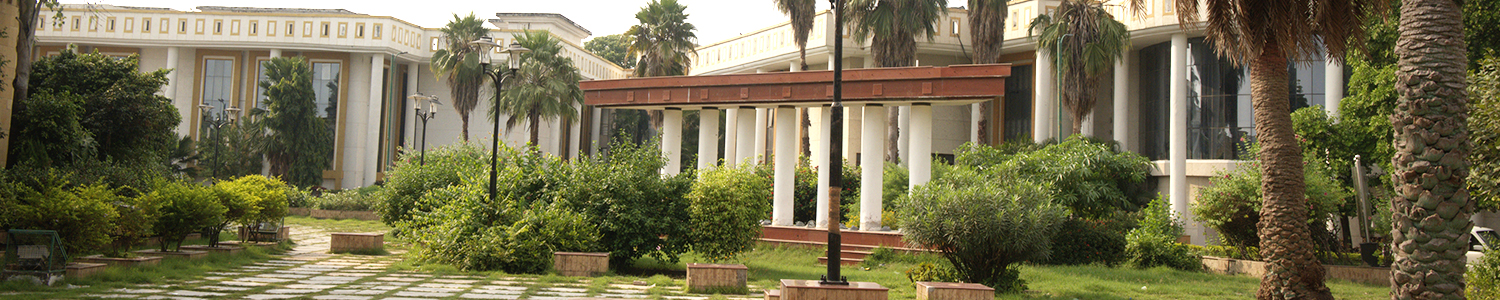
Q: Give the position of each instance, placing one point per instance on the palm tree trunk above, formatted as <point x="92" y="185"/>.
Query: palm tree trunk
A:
<point x="893" y="134"/>
<point x="1292" y="271"/>
<point x="465" y="118"/>
<point x="1430" y="215"/>
<point x="536" y="128"/>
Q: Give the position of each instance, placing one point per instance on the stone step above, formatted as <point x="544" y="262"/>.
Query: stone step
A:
<point x="845" y="261"/>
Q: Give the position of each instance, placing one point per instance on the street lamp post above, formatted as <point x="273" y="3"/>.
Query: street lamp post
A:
<point x="215" y="122"/>
<point x="835" y="148"/>
<point x="432" y="104"/>
<point x="498" y="77"/>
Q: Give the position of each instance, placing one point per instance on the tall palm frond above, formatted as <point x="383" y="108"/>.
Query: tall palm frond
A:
<point x="892" y="26"/>
<point x="987" y="30"/>
<point x="458" y="64"/>
<point x="663" y="41"/>
<point x="544" y="89"/>
<point x="1085" y="41"/>
<point x="801" y="14"/>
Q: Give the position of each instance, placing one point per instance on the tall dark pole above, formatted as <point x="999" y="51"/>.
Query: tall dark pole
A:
<point x="835" y="147"/>
<point x="423" y="156"/>
<point x="497" y="77"/>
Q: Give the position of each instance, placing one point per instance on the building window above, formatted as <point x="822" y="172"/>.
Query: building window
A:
<point x="359" y="31"/>
<point x="324" y="31"/>
<point x="326" y="93"/>
<point x="375" y="31"/>
<point x="260" y="94"/>
<point x="218" y="84"/>
<point x="109" y="25"/>
<point x="166" y="25"/>
<point x="343" y="30"/>
<point x="434" y="44"/>
<point x="1017" y="107"/>
<point x="254" y="27"/>
<point x="218" y="27"/>
<point x="146" y="25"/>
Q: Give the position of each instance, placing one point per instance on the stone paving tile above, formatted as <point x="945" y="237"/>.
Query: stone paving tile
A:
<point x="264" y="279"/>
<point x="111" y="296"/>
<point x="508" y="292"/>
<point x="139" y="291"/>
<point x="257" y="267"/>
<point x="341" y="297"/>
<point x="561" y="294"/>
<point x="242" y="283"/>
<point x="684" y="297"/>
<point x="266" y="296"/>
<point x="433" y="290"/>
<point x="309" y="286"/>
<point x="504" y="282"/>
<point x="501" y="287"/>
<point x="226" y="273"/>
<point x="445" y="286"/>
<point x="224" y="288"/>
<point x="489" y="296"/>
<point x="456" y="281"/>
<point x="631" y="286"/>
<point x="293" y="291"/>
<point x="172" y="298"/>
<point x="632" y="296"/>
<point x="422" y="294"/>
<point x="401" y="279"/>
<point x="566" y="290"/>
<point x="406" y="298"/>
<point x="348" y="274"/>
<point x="196" y="294"/>
<point x="624" y="291"/>
<point x="291" y="276"/>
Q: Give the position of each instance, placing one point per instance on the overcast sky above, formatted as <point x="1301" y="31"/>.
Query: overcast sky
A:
<point x="716" y="19"/>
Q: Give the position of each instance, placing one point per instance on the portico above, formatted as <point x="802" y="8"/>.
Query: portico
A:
<point x="916" y="89"/>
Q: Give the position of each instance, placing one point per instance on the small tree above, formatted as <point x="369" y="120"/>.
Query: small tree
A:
<point x="984" y="222"/>
<point x="1154" y="243"/>
<point x="237" y="205"/>
<point x="300" y="145"/>
<point x="186" y="207"/>
<point x="136" y="217"/>
<point x="727" y="205"/>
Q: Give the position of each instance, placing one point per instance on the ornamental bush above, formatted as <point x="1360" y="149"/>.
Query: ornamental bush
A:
<point x="805" y="200"/>
<point x="410" y="180"/>
<point x="1081" y="241"/>
<point x="364" y="199"/>
<point x="1154" y="242"/>
<point x="1231" y="205"/>
<point x="976" y="218"/>
<point x="471" y="232"/>
<point x="185" y="207"/>
<point x="84" y="216"/>
<point x="1483" y="277"/>
<point x="136" y="217"/>
<point x="251" y="199"/>
<point x="727" y="206"/>
<point x="637" y="211"/>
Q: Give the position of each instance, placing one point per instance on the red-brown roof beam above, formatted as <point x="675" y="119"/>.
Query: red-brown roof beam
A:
<point x="952" y="85"/>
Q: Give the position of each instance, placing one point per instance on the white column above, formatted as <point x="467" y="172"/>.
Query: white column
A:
<point x="830" y="55"/>
<point x="1333" y="87"/>
<point x="275" y="53"/>
<point x="919" y="157"/>
<point x="708" y="137"/>
<point x="762" y="119"/>
<point x="1122" y="103"/>
<point x="796" y="66"/>
<point x="746" y="142"/>
<point x="822" y="129"/>
<point x="1044" y="117"/>
<point x="411" y="109"/>
<point x="872" y="163"/>
<point x="373" y="118"/>
<point x="903" y="130"/>
<point x="869" y="62"/>
<point x="170" y="91"/>
<point x="731" y="136"/>
<point x="1178" y="130"/>
<point x="976" y="113"/>
<point x="852" y="130"/>
<point x="671" y="140"/>
<point x="786" y="166"/>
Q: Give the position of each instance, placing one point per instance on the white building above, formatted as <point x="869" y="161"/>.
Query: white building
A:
<point x="364" y="68"/>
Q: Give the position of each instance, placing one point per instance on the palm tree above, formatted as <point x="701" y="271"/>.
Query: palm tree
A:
<point x="299" y="145"/>
<point x="545" y="88"/>
<point x="1431" y="212"/>
<point x="892" y="27"/>
<point x="1086" y="41"/>
<point x="1264" y="34"/>
<point x="987" y="30"/>
<point x="663" y="40"/>
<point x="801" y="14"/>
<point x="459" y="64"/>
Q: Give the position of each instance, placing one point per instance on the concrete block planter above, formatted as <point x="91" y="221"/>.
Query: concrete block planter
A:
<point x="953" y="291"/>
<point x="773" y="294"/>
<point x="1256" y="268"/>
<point x="716" y="278"/>
<point x="184" y="254"/>
<point x="792" y="289"/>
<point x="83" y="269"/>
<point x="356" y="242"/>
<point x="220" y="249"/>
<point x="139" y="260"/>
<point x="580" y="263"/>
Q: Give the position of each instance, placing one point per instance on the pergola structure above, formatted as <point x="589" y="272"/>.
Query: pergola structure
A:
<point x="875" y="89"/>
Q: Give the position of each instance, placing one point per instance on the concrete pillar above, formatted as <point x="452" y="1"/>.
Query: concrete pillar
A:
<point x="919" y="158"/>
<point x="373" y="118"/>
<point x="903" y="130"/>
<point x="275" y="53"/>
<point x="822" y="129"/>
<point x="871" y="165"/>
<point x="1177" y="94"/>
<point x="671" y="140"/>
<point x="708" y="137"/>
<point x="796" y="66"/>
<point x="869" y="62"/>
<point x="852" y="130"/>
<point x="1044" y="117"/>
<point x="1333" y="86"/>
<point x="976" y="113"/>
<point x="170" y="90"/>
<point x="762" y="119"/>
<point x="786" y="166"/>
<point x="412" y="81"/>
<point x="1122" y="104"/>
<point x="731" y="136"/>
<point x="746" y="142"/>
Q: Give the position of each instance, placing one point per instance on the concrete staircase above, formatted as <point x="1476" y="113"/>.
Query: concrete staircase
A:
<point x="856" y="245"/>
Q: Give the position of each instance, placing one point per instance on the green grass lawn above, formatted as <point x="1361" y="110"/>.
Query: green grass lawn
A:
<point x="768" y="264"/>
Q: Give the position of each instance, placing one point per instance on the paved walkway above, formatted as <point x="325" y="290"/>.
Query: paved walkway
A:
<point x="308" y="272"/>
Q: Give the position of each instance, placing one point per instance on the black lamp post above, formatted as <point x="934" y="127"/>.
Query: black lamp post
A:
<point x="498" y="77"/>
<point x="432" y="104"/>
<point x="835" y="147"/>
<point x="215" y="122"/>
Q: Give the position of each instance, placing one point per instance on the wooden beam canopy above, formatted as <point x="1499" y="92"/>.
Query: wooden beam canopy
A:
<point x="951" y="85"/>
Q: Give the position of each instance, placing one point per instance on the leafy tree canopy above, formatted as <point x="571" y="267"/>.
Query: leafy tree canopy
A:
<point x="120" y="109"/>
<point x="615" y="48"/>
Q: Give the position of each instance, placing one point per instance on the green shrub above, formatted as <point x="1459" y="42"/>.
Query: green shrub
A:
<point x="136" y="217"/>
<point x="408" y="180"/>
<point x="1483" y="277"/>
<point x="1154" y="243"/>
<point x="249" y="200"/>
<point x="1089" y="177"/>
<point x="83" y="216"/>
<point x="1081" y="241"/>
<point x="637" y="211"/>
<point x="932" y="272"/>
<point x="472" y="232"/>
<point x="122" y="110"/>
<point x="805" y="200"/>
<point x="185" y="207"/>
<point x="727" y="206"/>
<point x="300" y="197"/>
<point x="1231" y="205"/>
<point x="347" y="200"/>
<point x="975" y="218"/>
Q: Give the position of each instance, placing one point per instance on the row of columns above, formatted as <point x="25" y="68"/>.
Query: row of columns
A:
<point x="742" y="138"/>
